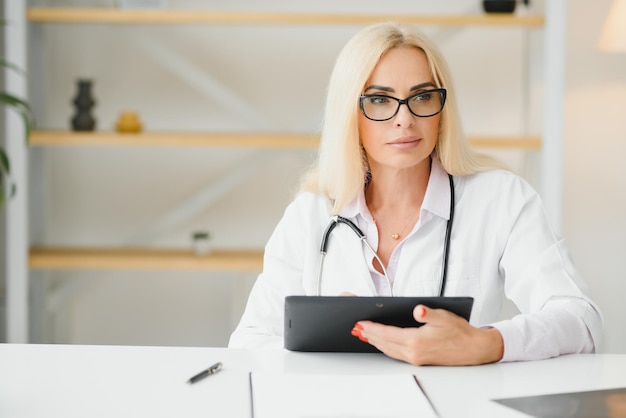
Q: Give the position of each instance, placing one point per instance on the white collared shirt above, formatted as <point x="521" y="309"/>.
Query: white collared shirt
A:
<point x="436" y="203"/>
<point x="501" y="245"/>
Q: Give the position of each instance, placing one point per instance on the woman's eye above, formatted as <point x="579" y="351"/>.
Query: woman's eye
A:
<point x="379" y="100"/>
<point x="423" y="97"/>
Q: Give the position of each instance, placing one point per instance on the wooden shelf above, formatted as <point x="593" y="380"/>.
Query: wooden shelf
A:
<point x="185" y="139"/>
<point x="126" y="16"/>
<point x="143" y="259"/>
<point x="529" y="142"/>
<point x="179" y="139"/>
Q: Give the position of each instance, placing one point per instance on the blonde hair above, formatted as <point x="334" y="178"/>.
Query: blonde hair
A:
<point x="342" y="170"/>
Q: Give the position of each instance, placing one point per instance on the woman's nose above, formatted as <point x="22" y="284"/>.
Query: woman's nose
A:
<point x="404" y="118"/>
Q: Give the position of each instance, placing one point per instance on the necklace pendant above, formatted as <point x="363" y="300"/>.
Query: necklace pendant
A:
<point x="395" y="236"/>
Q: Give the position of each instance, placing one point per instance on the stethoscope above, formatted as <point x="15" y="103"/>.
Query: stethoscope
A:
<point x="336" y="220"/>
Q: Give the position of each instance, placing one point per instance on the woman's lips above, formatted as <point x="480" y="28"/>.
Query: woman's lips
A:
<point x="406" y="142"/>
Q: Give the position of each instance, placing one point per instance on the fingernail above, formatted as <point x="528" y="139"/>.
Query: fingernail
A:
<point x="357" y="333"/>
<point x="422" y="311"/>
<point x="358" y="326"/>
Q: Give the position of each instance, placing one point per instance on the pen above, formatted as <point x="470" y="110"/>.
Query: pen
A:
<point x="204" y="373"/>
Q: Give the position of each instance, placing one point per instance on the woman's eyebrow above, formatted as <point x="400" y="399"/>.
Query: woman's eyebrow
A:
<point x="421" y="86"/>
<point x="391" y="90"/>
<point x="381" y="88"/>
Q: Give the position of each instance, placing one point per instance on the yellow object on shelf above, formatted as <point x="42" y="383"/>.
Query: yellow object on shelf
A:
<point x="128" y="122"/>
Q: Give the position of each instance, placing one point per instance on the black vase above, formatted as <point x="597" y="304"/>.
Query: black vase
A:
<point x="83" y="120"/>
<point x="499" y="6"/>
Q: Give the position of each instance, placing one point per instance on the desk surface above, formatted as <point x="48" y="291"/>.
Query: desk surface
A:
<point x="114" y="381"/>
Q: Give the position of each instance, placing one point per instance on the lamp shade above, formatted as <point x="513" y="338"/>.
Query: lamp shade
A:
<point x="613" y="38"/>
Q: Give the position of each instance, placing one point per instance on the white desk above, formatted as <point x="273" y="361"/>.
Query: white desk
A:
<point x="109" y="381"/>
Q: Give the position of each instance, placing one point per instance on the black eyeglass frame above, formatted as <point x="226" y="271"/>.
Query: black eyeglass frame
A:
<point x="441" y="91"/>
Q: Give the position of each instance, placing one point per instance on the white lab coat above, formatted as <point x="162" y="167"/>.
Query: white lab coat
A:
<point x="502" y="244"/>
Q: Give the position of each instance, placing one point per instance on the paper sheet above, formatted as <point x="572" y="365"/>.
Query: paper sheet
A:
<point x="277" y="395"/>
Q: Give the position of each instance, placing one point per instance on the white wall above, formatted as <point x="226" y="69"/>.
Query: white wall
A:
<point x="595" y="147"/>
<point x="275" y="78"/>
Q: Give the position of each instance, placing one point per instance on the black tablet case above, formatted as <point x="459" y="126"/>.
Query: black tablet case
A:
<point x="324" y="323"/>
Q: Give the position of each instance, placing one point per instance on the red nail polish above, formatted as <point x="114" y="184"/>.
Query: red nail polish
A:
<point x="356" y="332"/>
<point x="358" y="326"/>
<point x="363" y="339"/>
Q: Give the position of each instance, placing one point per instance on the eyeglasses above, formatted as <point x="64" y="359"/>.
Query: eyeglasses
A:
<point x="380" y="107"/>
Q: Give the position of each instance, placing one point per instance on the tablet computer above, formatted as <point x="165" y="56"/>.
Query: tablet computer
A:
<point x="324" y="323"/>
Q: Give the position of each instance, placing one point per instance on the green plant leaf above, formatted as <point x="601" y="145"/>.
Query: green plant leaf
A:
<point x="22" y="107"/>
<point x="2" y="191"/>
<point x="11" y="100"/>
<point x="24" y="110"/>
<point x="5" y="166"/>
<point x="4" y="173"/>
<point x="5" y="63"/>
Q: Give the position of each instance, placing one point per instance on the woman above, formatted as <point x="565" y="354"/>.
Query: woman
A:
<point x="390" y="145"/>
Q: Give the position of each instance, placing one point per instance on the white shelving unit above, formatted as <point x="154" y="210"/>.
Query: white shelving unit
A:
<point x="19" y="261"/>
<point x="16" y="269"/>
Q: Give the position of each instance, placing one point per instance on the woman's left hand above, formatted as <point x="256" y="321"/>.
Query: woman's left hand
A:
<point x="444" y="339"/>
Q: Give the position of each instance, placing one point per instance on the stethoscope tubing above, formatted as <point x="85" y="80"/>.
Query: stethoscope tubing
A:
<point x="336" y="220"/>
<point x="446" y="242"/>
